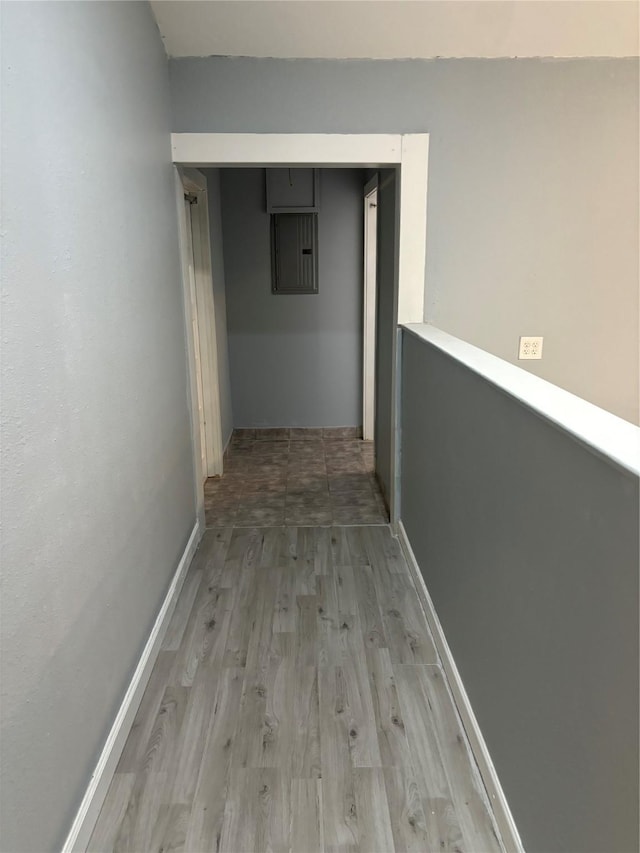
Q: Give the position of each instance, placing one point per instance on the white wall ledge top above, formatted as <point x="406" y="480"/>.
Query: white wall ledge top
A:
<point x="600" y="430"/>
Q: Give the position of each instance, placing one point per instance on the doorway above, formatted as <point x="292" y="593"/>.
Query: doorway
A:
<point x="407" y="154"/>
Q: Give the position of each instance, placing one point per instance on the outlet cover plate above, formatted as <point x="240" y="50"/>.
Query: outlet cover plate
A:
<point x="530" y="347"/>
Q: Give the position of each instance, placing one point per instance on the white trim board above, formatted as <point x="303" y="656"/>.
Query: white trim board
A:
<point x="502" y="812"/>
<point x="87" y="815"/>
<point x="409" y="151"/>
<point x="277" y="149"/>
<point x="370" y="201"/>
<point x="196" y="447"/>
<point x="598" y="429"/>
<point x="195" y="182"/>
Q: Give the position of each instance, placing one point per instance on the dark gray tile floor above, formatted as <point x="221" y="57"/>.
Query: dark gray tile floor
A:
<point x="295" y="477"/>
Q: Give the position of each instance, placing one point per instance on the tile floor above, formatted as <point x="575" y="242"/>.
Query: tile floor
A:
<point x="295" y="477"/>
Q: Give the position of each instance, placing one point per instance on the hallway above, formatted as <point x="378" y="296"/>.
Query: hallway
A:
<point x="297" y="705"/>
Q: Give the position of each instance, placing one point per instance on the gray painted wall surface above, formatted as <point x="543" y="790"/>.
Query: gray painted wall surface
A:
<point x="219" y="300"/>
<point x="533" y="189"/>
<point x="528" y="544"/>
<point x="295" y="360"/>
<point x="386" y="314"/>
<point x="97" y="474"/>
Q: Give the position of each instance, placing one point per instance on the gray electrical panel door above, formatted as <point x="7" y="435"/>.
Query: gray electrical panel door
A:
<point x="292" y="190"/>
<point x="294" y="253"/>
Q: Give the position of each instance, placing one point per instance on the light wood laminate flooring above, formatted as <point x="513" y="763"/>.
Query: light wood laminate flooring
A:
<point x="297" y="704"/>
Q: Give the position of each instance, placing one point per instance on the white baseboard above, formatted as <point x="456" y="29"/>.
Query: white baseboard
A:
<point x="501" y="810"/>
<point x="87" y="815"/>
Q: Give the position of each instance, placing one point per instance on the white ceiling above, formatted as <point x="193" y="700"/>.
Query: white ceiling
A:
<point x="389" y="29"/>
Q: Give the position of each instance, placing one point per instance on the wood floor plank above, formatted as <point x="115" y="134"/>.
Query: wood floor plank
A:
<point x="346" y="590"/>
<point x="170" y="831"/>
<point x="467" y="790"/>
<point x="136" y="828"/>
<point x="112" y="813"/>
<point x="347" y="722"/>
<point x="205" y="826"/>
<point x="322" y="559"/>
<point x="271" y="548"/>
<point x="442" y="824"/>
<point x="133" y="754"/>
<point x="285" y="611"/>
<point x="406" y="630"/>
<point x="392" y="738"/>
<point x="279" y="720"/>
<point x="160" y="753"/>
<point x="368" y="607"/>
<point x="340" y="554"/>
<point x="307" y="831"/>
<point x="406" y="812"/>
<point x="347" y="547"/>
<point x="274" y="742"/>
<point x="205" y="638"/>
<point x="178" y="623"/>
<point x="355" y="813"/>
<point x="214" y="547"/>
<point x="254" y="730"/>
<point x="358" y="554"/>
<point x="334" y="724"/>
<point x="305" y="572"/>
<point x="340" y="814"/>
<point x="374" y="823"/>
<point x="305" y="760"/>
<point x="240" y="623"/>
<point x="328" y="622"/>
<point x="244" y="553"/>
<point x="213" y="565"/>
<point x="193" y="734"/>
<point x="257" y="812"/>
<point x="280" y="548"/>
<point x="306" y="633"/>
<point x="363" y="735"/>
<point x="261" y="616"/>
<point x="383" y="550"/>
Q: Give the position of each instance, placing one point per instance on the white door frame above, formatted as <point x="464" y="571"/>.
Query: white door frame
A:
<point x="200" y="324"/>
<point x="410" y="152"/>
<point x="369" y="309"/>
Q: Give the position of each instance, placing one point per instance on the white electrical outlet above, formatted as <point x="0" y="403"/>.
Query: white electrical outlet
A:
<point x="530" y="348"/>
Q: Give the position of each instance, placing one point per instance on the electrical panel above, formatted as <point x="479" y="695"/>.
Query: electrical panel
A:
<point x="294" y="253"/>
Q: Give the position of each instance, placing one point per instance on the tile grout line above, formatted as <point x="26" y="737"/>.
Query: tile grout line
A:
<point x="357" y="450"/>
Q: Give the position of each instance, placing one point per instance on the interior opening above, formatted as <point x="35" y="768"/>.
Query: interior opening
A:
<point x="288" y="253"/>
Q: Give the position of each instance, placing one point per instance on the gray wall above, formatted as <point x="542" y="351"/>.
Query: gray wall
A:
<point x="533" y="189"/>
<point x="295" y="360"/>
<point x="97" y="479"/>
<point x="386" y="316"/>
<point x="528" y="543"/>
<point x="219" y="300"/>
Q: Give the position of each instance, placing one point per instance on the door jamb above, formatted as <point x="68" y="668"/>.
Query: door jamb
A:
<point x="369" y="309"/>
<point x="194" y="182"/>
<point x="409" y="152"/>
